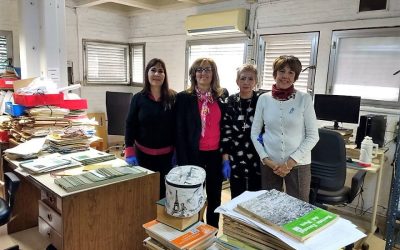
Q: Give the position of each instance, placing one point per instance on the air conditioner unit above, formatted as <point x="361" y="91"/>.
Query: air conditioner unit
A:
<point x="230" y="21"/>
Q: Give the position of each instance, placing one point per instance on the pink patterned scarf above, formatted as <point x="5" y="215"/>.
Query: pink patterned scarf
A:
<point x="206" y="98"/>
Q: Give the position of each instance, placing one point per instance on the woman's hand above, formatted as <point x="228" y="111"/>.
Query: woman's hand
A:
<point x="270" y="163"/>
<point x="285" y="168"/>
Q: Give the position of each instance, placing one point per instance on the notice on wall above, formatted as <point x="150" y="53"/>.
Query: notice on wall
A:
<point x="54" y="74"/>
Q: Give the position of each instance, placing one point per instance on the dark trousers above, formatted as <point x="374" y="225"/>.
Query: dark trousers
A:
<point x="211" y="161"/>
<point x="156" y="163"/>
<point x="297" y="182"/>
<point x="245" y="183"/>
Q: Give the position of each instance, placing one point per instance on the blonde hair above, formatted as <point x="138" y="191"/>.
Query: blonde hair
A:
<point x="246" y="67"/>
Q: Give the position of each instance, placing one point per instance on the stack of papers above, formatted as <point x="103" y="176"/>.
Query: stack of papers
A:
<point x="48" y="163"/>
<point x="26" y="150"/>
<point x="341" y="233"/>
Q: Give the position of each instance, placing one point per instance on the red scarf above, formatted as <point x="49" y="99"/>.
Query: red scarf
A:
<point x="282" y="94"/>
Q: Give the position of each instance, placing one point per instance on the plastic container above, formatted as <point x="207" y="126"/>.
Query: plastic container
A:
<point x="7" y="83"/>
<point x="14" y="109"/>
<point x="39" y="100"/>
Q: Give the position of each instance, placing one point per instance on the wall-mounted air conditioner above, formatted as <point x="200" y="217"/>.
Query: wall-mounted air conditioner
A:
<point x="230" y="21"/>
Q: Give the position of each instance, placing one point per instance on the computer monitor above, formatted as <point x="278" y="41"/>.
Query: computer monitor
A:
<point x="337" y="108"/>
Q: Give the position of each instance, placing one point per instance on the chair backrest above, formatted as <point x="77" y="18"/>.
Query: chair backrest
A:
<point x="11" y="184"/>
<point x="117" y="107"/>
<point x="328" y="160"/>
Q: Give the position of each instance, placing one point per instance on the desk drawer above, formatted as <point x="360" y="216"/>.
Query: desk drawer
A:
<point x="50" y="216"/>
<point x="51" y="200"/>
<point x="47" y="231"/>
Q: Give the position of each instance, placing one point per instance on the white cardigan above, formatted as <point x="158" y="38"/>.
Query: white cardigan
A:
<point x="290" y="128"/>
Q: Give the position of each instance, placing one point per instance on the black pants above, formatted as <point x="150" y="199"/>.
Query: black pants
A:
<point x="156" y="163"/>
<point x="245" y="183"/>
<point x="211" y="161"/>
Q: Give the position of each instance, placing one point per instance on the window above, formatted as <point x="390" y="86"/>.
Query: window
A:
<point x="302" y="45"/>
<point x="227" y="54"/>
<point x="110" y="63"/>
<point x="5" y="49"/>
<point x="364" y="62"/>
<point x="137" y="59"/>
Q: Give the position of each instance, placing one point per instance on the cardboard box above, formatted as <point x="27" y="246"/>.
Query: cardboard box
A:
<point x="178" y="223"/>
<point x="22" y="83"/>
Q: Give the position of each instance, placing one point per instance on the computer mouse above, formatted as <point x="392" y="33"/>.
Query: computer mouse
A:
<point x="349" y="159"/>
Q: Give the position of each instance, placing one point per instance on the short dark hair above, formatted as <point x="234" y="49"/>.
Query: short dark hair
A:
<point x="291" y="61"/>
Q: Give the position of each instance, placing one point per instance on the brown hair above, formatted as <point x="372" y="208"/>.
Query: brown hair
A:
<point x="291" y="61"/>
<point x="216" y="90"/>
<point x="167" y="95"/>
<point x="246" y="67"/>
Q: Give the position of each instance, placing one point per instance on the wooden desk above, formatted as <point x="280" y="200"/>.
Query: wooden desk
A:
<point x="375" y="168"/>
<point x="105" y="217"/>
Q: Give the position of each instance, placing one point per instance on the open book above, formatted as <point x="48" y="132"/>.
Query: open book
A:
<point x="295" y="217"/>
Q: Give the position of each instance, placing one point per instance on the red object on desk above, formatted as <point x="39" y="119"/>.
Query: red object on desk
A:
<point x="4" y="135"/>
<point x="74" y="104"/>
<point x="7" y="83"/>
<point x="362" y="164"/>
<point x="39" y="99"/>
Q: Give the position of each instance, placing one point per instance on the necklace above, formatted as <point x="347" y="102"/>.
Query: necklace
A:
<point x="244" y="117"/>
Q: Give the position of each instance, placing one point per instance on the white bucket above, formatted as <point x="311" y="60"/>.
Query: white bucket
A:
<point x="185" y="194"/>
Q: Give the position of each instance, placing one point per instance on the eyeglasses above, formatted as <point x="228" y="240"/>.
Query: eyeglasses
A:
<point x="206" y="69"/>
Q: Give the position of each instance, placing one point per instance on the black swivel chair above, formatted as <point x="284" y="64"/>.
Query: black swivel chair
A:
<point x="11" y="184"/>
<point x="328" y="172"/>
<point x="117" y="107"/>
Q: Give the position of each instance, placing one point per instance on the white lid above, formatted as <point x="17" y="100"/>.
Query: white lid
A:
<point x="187" y="175"/>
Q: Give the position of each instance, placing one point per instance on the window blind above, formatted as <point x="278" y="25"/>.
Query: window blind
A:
<point x="107" y="63"/>
<point x="303" y="46"/>
<point x="3" y="53"/>
<point x="137" y="63"/>
<point x="365" y="65"/>
<point x="228" y="57"/>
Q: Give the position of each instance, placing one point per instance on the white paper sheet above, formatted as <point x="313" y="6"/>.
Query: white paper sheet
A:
<point x="31" y="147"/>
<point x="341" y="233"/>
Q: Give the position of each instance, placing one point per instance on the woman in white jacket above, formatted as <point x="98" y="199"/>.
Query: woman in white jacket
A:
<point x="291" y="131"/>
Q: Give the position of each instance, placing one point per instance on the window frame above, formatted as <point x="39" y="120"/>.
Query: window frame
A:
<point x="9" y="42"/>
<point x="359" y="33"/>
<point x="212" y="41"/>
<point x="314" y="38"/>
<point x="127" y="59"/>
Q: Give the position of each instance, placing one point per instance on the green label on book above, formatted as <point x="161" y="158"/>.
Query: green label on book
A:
<point x="310" y="222"/>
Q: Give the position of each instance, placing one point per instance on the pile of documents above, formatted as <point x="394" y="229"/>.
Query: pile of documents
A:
<point x="92" y="157"/>
<point x="98" y="177"/>
<point x="68" y="140"/>
<point x="26" y="150"/>
<point x="254" y="232"/>
<point x="48" y="163"/>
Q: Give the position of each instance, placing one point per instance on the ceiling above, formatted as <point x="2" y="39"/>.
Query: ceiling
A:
<point x="133" y="6"/>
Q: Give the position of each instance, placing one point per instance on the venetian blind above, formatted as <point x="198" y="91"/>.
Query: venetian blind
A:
<point x="3" y="53"/>
<point x="227" y="56"/>
<point x="137" y="63"/>
<point x="299" y="45"/>
<point x="107" y="63"/>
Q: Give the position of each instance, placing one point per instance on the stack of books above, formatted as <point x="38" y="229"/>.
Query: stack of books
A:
<point x="275" y="220"/>
<point x="92" y="157"/>
<point x="175" y="233"/>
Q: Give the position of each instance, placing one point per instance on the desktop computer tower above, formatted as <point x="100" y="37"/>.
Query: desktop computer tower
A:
<point x="373" y="126"/>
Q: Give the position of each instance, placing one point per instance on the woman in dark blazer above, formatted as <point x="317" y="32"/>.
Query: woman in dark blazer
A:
<point x="199" y="111"/>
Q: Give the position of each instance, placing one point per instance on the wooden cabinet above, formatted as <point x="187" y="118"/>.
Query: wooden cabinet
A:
<point x="105" y="217"/>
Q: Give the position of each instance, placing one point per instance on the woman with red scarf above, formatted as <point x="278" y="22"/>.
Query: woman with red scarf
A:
<point x="199" y="112"/>
<point x="291" y="131"/>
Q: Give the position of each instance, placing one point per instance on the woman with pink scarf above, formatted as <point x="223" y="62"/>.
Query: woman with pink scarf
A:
<point x="199" y="112"/>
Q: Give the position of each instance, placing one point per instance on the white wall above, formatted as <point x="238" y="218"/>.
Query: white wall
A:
<point x="9" y="22"/>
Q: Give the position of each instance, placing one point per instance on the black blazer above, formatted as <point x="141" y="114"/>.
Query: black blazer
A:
<point x="188" y="127"/>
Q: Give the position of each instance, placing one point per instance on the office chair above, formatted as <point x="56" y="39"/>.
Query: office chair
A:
<point x="328" y="172"/>
<point x="117" y="107"/>
<point x="11" y="184"/>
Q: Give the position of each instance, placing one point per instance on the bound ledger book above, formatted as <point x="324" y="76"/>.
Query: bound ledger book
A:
<point x="297" y="218"/>
<point x="98" y="177"/>
<point x="176" y="222"/>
